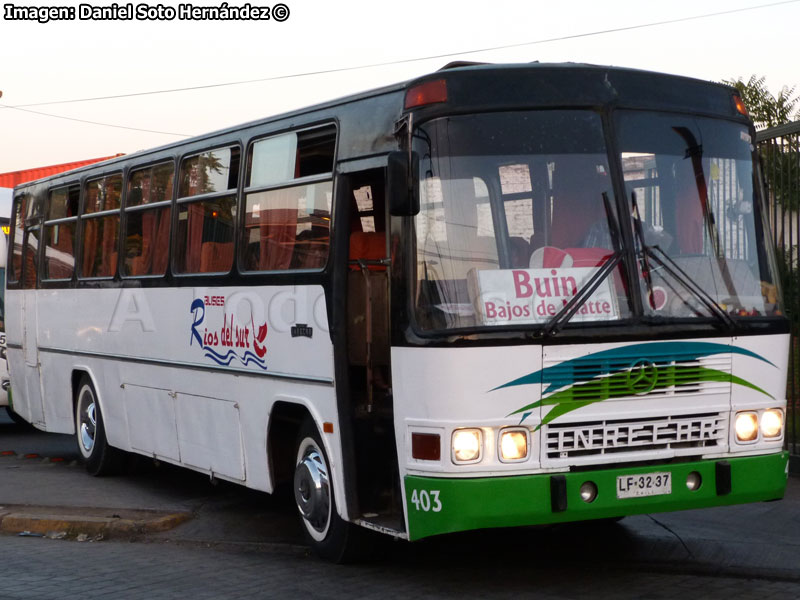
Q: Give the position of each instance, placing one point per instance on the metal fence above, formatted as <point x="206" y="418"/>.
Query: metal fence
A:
<point x="779" y="148"/>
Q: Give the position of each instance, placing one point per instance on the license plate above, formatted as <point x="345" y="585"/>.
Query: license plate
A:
<point x="645" y="484"/>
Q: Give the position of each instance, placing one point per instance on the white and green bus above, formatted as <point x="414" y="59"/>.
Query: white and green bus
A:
<point x="496" y="295"/>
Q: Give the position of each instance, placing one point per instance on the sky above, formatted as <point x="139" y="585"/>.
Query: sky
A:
<point x="77" y="59"/>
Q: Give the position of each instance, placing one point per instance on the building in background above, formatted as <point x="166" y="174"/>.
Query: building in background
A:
<point x="12" y="178"/>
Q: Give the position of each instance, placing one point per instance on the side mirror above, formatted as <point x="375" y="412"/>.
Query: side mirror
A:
<point x="403" y="184"/>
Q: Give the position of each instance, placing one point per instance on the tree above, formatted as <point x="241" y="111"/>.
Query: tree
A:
<point x="780" y="161"/>
<point x="780" y="156"/>
<point x="765" y="109"/>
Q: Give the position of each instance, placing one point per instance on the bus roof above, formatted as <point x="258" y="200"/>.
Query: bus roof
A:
<point x="474" y="86"/>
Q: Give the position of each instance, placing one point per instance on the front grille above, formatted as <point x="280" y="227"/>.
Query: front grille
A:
<point x="687" y="434"/>
<point x="591" y="379"/>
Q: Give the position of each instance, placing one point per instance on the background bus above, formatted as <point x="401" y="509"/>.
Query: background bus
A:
<point x="5" y="212"/>
<point x="497" y="295"/>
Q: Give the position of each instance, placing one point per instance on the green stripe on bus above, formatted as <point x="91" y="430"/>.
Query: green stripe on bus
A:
<point x="444" y="505"/>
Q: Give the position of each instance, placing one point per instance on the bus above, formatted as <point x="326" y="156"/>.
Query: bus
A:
<point x="492" y="296"/>
<point x="5" y="211"/>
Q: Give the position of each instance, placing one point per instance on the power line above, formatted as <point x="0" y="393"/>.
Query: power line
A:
<point x="36" y="112"/>
<point x="418" y="59"/>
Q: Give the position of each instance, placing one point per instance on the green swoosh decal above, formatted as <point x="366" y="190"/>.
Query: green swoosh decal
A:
<point x="617" y="386"/>
<point x="658" y="352"/>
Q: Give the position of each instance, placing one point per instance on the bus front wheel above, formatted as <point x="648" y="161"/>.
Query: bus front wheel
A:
<point x="99" y="458"/>
<point x="330" y="536"/>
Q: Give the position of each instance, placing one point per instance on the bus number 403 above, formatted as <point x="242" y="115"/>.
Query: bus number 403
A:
<point x="426" y="501"/>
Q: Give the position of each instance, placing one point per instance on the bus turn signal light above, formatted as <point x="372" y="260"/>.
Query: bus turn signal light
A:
<point x="429" y="92"/>
<point x="426" y="446"/>
<point x="740" y="106"/>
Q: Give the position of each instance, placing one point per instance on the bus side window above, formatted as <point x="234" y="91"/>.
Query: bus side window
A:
<point x="16" y="239"/>
<point x="31" y="258"/>
<point x="59" y="233"/>
<point x="100" y="226"/>
<point x="288" y="226"/>
<point x="205" y="236"/>
<point x="148" y="208"/>
<point x="205" y="226"/>
<point x="32" y="228"/>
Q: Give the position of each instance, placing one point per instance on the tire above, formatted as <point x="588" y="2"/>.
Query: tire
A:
<point x="329" y="536"/>
<point x="100" y="458"/>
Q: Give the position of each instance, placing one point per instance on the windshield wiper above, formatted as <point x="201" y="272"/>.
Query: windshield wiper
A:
<point x="671" y="267"/>
<point x="645" y="266"/>
<point x="675" y="270"/>
<point x="694" y="150"/>
<point x="570" y="308"/>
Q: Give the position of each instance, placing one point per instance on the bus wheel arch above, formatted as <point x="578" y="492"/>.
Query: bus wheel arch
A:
<point x="98" y="456"/>
<point x="285" y="421"/>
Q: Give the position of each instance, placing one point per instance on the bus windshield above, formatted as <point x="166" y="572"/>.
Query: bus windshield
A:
<point x="513" y="219"/>
<point x="689" y="183"/>
<point x="518" y="217"/>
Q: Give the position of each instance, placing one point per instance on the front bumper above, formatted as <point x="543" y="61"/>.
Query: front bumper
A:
<point x="477" y="503"/>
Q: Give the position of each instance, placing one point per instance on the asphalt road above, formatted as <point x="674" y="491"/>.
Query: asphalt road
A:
<point x="244" y="544"/>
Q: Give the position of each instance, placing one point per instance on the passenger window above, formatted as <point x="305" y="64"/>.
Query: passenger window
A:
<point x="150" y="185"/>
<point x="205" y="226"/>
<point x="288" y="226"/>
<point x="205" y="236"/>
<point x="100" y="239"/>
<point x="59" y="233"/>
<point x="31" y="258"/>
<point x="289" y="156"/>
<point x="148" y="208"/>
<point x="63" y="203"/>
<point x="17" y="233"/>
<point x="103" y="194"/>
<point x="100" y="232"/>
<point x="210" y="172"/>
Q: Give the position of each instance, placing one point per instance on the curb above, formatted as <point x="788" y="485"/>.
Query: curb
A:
<point x="44" y="520"/>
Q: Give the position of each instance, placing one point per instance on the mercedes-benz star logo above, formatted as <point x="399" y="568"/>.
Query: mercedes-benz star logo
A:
<point x="643" y="376"/>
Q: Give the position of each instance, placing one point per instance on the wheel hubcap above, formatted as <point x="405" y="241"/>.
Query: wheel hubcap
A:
<point x="312" y="489"/>
<point x="88" y="423"/>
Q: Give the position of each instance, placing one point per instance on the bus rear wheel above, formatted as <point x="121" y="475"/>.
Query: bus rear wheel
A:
<point x="99" y="458"/>
<point x="329" y="536"/>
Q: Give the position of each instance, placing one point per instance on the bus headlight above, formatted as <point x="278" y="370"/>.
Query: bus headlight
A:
<point x="772" y="423"/>
<point x="746" y="426"/>
<point x="466" y="445"/>
<point x="513" y="445"/>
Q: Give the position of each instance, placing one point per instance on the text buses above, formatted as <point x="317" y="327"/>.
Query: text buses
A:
<point x="497" y="295"/>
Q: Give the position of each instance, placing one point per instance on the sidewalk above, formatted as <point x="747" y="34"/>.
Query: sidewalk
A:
<point x="44" y="489"/>
<point x="50" y="496"/>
